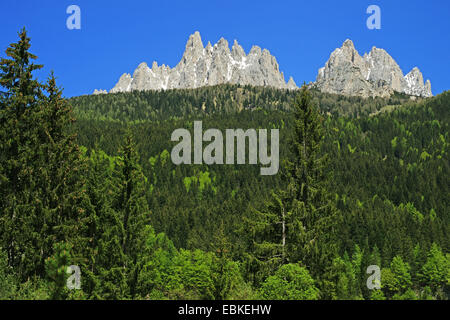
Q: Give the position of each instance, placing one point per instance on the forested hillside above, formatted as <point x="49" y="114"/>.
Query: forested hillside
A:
<point x="226" y="98"/>
<point x="102" y="193"/>
<point x="390" y="179"/>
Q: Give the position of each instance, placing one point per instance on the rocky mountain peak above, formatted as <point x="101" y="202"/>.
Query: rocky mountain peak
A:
<point x="222" y="45"/>
<point x="142" y="66"/>
<point x="210" y="65"/>
<point x="209" y="47"/>
<point x="255" y="50"/>
<point x="194" y="41"/>
<point x="348" y="44"/>
<point x="415" y="72"/>
<point x="100" y="92"/>
<point x="237" y="51"/>
<point x="123" y="85"/>
<point x="291" y="84"/>
<point x="415" y="85"/>
<point x="346" y="72"/>
<point x="374" y="74"/>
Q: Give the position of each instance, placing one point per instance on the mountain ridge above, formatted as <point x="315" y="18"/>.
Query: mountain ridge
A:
<point x="207" y="65"/>
<point x="375" y="74"/>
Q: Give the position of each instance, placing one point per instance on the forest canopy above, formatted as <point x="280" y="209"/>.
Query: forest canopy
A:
<point x="89" y="181"/>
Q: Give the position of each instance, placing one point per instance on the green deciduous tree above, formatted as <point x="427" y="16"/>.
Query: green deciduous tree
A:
<point x="436" y="270"/>
<point x="290" y="282"/>
<point x="397" y="278"/>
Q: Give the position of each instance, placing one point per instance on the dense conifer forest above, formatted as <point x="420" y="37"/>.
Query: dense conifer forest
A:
<point x="89" y="181"/>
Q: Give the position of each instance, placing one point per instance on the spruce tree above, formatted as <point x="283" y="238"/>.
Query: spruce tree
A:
<point x="18" y="105"/>
<point x="298" y="224"/>
<point x="272" y="233"/>
<point x="64" y="209"/>
<point x="41" y="168"/>
<point x="307" y="193"/>
<point x="123" y="240"/>
<point x="223" y="276"/>
<point x="99" y="191"/>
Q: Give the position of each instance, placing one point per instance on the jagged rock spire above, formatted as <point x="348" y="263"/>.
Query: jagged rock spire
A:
<point x="374" y="74"/>
<point x="210" y="65"/>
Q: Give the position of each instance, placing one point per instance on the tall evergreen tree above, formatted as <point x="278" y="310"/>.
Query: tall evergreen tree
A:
<point x="307" y="193"/>
<point x="40" y="165"/>
<point x="125" y="233"/>
<point x="65" y="212"/>
<point x="18" y="104"/>
<point x="133" y="205"/>
<point x="298" y="223"/>
<point x="273" y="236"/>
<point x="99" y="191"/>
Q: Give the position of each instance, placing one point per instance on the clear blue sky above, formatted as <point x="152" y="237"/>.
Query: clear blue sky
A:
<point x="116" y="36"/>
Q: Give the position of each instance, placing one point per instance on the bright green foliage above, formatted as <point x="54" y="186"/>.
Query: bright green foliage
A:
<point x="290" y="282"/>
<point x="8" y="284"/>
<point x="377" y="295"/>
<point x="436" y="271"/>
<point x="397" y="278"/>
<point x="346" y="277"/>
<point x="171" y="274"/>
<point x="33" y="289"/>
<point x="56" y="269"/>
<point x="408" y="295"/>
<point x="226" y="274"/>
<point x="183" y="275"/>
<point x="202" y="179"/>
<point x="426" y="294"/>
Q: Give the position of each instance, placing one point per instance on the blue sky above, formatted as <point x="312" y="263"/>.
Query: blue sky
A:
<point x="116" y="36"/>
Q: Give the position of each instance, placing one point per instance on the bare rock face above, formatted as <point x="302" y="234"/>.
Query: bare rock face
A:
<point x="374" y="74"/>
<point x="100" y="92"/>
<point x="344" y="72"/>
<point x="291" y="84"/>
<point x="207" y="66"/>
<point x="415" y="86"/>
<point x="123" y="85"/>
